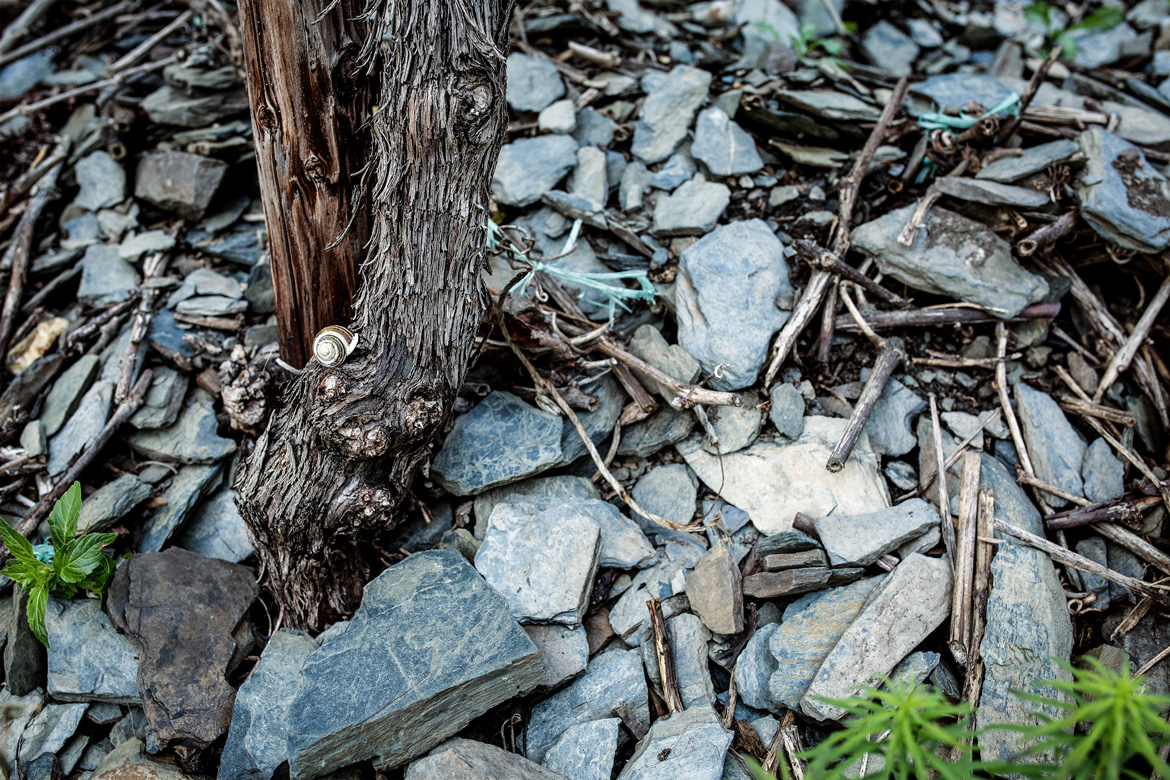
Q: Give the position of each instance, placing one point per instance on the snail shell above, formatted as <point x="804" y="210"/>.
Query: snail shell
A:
<point x="333" y="345"/>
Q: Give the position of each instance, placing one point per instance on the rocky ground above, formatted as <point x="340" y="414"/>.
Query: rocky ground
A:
<point x="688" y="593"/>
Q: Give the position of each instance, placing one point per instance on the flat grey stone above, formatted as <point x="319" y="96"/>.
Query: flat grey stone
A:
<point x="111" y="502"/>
<point x="691" y="210"/>
<point x="735" y="426"/>
<point x="634" y="183"/>
<point x="211" y="306"/>
<point x="257" y="741"/>
<point x="24" y="655"/>
<point x="1122" y="196"/>
<point x="787" y="411"/>
<point x="465" y="759"/>
<point x="1095" y="549"/>
<point x="755" y="668"/>
<point x="501" y="440"/>
<point x="667" y="112"/>
<point x="676" y="171"/>
<point x="658" y="431"/>
<point x="531" y="491"/>
<point x="613" y="679"/>
<point x="914" y="668"/>
<point x="888" y="426"/>
<point x="585" y="751"/>
<point x="786" y="542"/>
<point x="66" y="393"/>
<point x="952" y="255"/>
<point x="17" y="78"/>
<point x="715" y="590"/>
<point x="830" y="104"/>
<point x="541" y="561"/>
<point x="89" y="661"/>
<point x="954" y="90"/>
<point x="430" y="648"/>
<point x="688" y="745"/>
<point x="192" y="439"/>
<point x="910" y="603"/>
<point x="925" y="33"/>
<point x="991" y="193"/>
<point x="723" y="146"/>
<point x="811" y="628"/>
<point x="594" y="128"/>
<point x="1012" y="504"/>
<point x="669" y="491"/>
<point x="1027" y="627"/>
<point x="559" y="117"/>
<point x="21" y="710"/>
<point x="767" y="25"/>
<point x="1102" y="47"/>
<point x="179" y="181"/>
<point x="589" y="177"/>
<point x="530" y="167"/>
<point x="102" y="181"/>
<point x="649" y="344"/>
<point x="773" y="480"/>
<point x="48" y="732"/>
<point x="1035" y="159"/>
<point x="216" y="530"/>
<point x="105" y="277"/>
<point x="164" y="400"/>
<point x="259" y="292"/>
<point x="169" y="105"/>
<point x="129" y="759"/>
<point x="636" y="19"/>
<point x="731" y="294"/>
<point x="33" y="440"/>
<point x="83" y="427"/>
<point x="623" y="544"/>
<point x="533" y="83"/>
<point x="1102" y="472"/>
<point x="187" y="488"/>
<point x="1056" y="449"/>
<point x="563" y="649"/>
<point x="859" y="540"/>
<point x="599" y="423"/>
<point x="889" y="48"/>
<point x="204" y="281"/>
<point x="629" y="617"/>
<point x="689" y="640"/>
<point x="133" y="248"/>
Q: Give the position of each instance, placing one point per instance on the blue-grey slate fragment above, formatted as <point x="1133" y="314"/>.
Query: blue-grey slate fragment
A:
<point x="669" y="491"/>
<point x="733" y="294"/>
<point x="431" y="647"/>
<point x="585" y="751"/>
<point x="530" y="167"/>
<point x="465" y="759"/>
<point x="67" y="391"/>
<point x="667" y="112"/>
<point x="1122" y="196"/>
<point x="755" y="668"/>
<point x="689" y="745"/>
<point x="1012" y="504"/>
<point x="501" y="440"/>
<point x="187" y="489"/>
<point x="102" y="181"/>
<point x="613" y="679"/>
<point x="532" y="491"/>
<point x="82" y="428"/>
<point x="1056" y="449"/>
<point x="105" y="277"/>
<point x="112" y="501"/>
<point x="88" y="659"/>
<point x="257" y="741"/>
<point x="216" y="530"/>
<point x="888" y="427"/>
<point x="1028" y="629"/>
<point x="859" y="540"/>
<point x="787" y="412"/>
<point x="725" y="147"/>
<point x="533" y="83"/>
<point x="194" y="437"/>
<point x="564" y="651"/>
<point x="1102" y="472"/>
<point x="1034" y="160"/>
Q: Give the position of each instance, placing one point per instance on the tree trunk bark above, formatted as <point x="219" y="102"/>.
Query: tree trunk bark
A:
<point x="344" y="443"/>
<point x="309" y="98"/>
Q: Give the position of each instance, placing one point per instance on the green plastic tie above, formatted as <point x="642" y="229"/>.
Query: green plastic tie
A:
<point x="940" y="121"/>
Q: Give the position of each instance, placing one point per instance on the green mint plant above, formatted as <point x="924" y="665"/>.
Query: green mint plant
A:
<point x="72" y="563"/>
<point x="1104" y="18"/>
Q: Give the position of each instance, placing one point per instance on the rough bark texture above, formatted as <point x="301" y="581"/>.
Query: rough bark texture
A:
<point x="309" y="98"/>
<point x="342" y="447"/>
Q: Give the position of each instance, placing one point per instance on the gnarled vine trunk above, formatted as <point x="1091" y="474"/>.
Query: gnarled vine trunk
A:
<point x="344" y="443"/>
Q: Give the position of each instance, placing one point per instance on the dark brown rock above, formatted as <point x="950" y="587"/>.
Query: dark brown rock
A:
<point x="181" y="611"/>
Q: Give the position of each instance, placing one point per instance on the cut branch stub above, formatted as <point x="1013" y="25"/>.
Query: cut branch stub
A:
<point x="343" y="446"/>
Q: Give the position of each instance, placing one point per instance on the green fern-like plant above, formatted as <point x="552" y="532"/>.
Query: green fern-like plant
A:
<point x="69" y="564"/>
<point x="1109" y="722"/>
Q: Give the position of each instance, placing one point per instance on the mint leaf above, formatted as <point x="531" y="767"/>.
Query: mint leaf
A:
<point x="25" y="574"/>
<point x="20" y="548"/>
<point x="82" y="557"/>
<point x="38" y="600"/>
<point x="64" y="517"/>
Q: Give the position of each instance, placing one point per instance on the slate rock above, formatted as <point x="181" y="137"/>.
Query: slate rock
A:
<point x="1094" y="549"/>
<point x="83" y="427"/>
<point x="541" y="562"/>
<point x="589" y="177"/>
<point x="598" y="424"/>
<point x="811" y="628"/>
<point x="181" y="610"/>
<point x="257" y="741"/>
<point x="1102" y="472"/>
<point x="859" y="540"/>
<point x="21" y="709"/>
<point x="913" y="669"/>
<point x="132" y="249"/>
<point x="689" y="640"/>
<point x="773" y="480"/>
<point x="1056" y="449"/>
<point x="1027" y="631"/>
<point x="691" y="210"/>
<point x="24" y="655"/>
<point x="533" y="83"/>
<point x="47" y="733"/>
<point x="675" y="172"/>
<point x="952" y="255"/>
<point x="181" y="182"/>
<point x="65" y="394"/>
<point x="635" y="180"/>
<point x="193" y="438"/>
<point x="102" y="181"/>
<point x="530" y="167"/>
<point x="715" y="590"/>
<point x="129" y="760"/>
<point x="259" y="292"/>
<point x="669" y="491"/>
<point x="767" y="25"/>
<point x="755" y="668"/>
<point x="658" y="431"/>
<point x="787" y="410"/>
<point x="105" y="277"/>
<point x="889" y="48"/>
<point x="731" y="293"/>
<point x="431" y="647"/>
<point x="1122" y="196"/>
<point x="955" y="90"/>
<point x="204" y="281"/>
<point x="170" y="106"/>
<point x="667" y="112"/>
<point x="112" y="501"/>
<point x="629" y="617"/>
<point x="164" y="399"/>
<point x="216" y="530"/>
<point x="559" y="117"/>
<point x="33" y="440"/>
<point x="991" y="193"/>
<point x="888" y="426"/>
<point x="634" y="18"/>
<point x="613" y="679"/>
<point x="735" y="426"/>
<point x="17" y="78"/>
<point x="1101" y="47"/>
<point x="723" y="146"/>
<point x="829" y="104"/>
<point x="688" y="745"/>
<point x="649" y="344"/>
<point x="531" y="491"/>
<point x="88" y="660"/>
<point x="786" y="542"/>
<point x="187" y="488"/>
<point x="585" y="751"/>
<point x="1034" y="160"/>
<point x="1011" y="502"/>
<point x="563" y="649"/>
<point x="910" y="603"/>
<point x="465" y="759"/>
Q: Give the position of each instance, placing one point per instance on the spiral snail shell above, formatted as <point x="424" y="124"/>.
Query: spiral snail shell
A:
<point x="333" y="345"/>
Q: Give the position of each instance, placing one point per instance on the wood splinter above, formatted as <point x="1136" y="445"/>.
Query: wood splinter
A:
<point x="820" y="258"/>
<point x="962" y="605"/>
<point x="891" y="354"/>
<point x="665" y="655"/>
